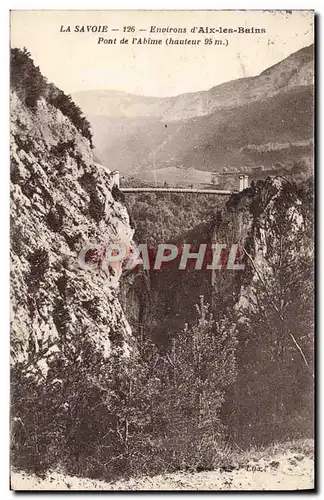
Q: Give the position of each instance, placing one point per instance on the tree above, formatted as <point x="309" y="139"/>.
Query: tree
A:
<point x="275" y="393"/>
<point x="195" y="376"/>
<point x="30" y="85"/>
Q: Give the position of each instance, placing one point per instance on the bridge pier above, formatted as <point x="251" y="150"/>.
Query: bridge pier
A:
<point x="244" y="182"/>
<point x="115" y="178"/>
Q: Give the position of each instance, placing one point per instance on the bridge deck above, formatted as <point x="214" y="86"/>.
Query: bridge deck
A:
<point x="176" y="190"/>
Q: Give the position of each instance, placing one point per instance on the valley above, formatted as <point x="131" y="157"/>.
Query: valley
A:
<point x="166" y="377"/>
<point x="261" y="124"/>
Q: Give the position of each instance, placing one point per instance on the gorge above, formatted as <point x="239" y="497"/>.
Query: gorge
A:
<point x="117" y="373"/>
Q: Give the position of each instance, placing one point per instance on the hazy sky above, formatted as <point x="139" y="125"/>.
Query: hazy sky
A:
<point x="75" y="61"/>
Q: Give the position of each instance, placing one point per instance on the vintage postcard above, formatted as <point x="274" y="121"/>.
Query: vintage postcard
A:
<point x="162" y="250"/>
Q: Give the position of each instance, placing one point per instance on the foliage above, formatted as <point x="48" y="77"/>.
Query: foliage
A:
<point x="274" y="393"/>
<point x="30" y="85"/>
<point x="196" y="373"/>
<point x="107" y="417"/>
<point x="166" y="218"/>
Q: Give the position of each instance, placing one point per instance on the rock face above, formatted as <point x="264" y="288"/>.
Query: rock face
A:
<point x="273" y="301"/>
<point x="268" y="219"/>
<point x="272" y="220"/>
<point x="61" y="202"/>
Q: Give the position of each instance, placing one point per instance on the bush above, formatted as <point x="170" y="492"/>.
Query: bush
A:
<point x="114" y="417"/>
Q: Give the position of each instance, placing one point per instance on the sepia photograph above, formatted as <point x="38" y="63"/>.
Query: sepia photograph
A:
<point x="162" y="247"/>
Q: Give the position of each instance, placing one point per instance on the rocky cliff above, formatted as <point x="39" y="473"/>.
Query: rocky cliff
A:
<point x="270" y="302"/>
<point x="271" y="220"/>
<point x="60" y="202"/>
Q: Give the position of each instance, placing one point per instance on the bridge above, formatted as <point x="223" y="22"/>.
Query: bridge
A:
<point x="244" y="183"/>
<point x="176" y="190"/>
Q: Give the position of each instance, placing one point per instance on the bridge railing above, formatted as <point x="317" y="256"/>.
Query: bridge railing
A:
<point x="175" y="190"/>
<point x="244" y="183"/>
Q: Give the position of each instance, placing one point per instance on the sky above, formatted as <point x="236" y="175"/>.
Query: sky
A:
<point x="74" y="61"/>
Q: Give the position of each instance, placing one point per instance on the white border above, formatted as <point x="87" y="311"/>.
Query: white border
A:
<point x="317" y="5"/>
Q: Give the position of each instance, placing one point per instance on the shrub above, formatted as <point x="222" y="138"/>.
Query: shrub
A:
<point x="117" y="417"/>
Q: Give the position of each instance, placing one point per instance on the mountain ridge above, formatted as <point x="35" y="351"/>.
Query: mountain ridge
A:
<point x="305" y="54"/>
<point x="135" y="133"/>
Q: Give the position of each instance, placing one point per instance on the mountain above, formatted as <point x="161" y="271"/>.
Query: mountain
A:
<point x="294" y="71"/>
<point x="60" y="202"/>
<point x="256" y="122"/>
